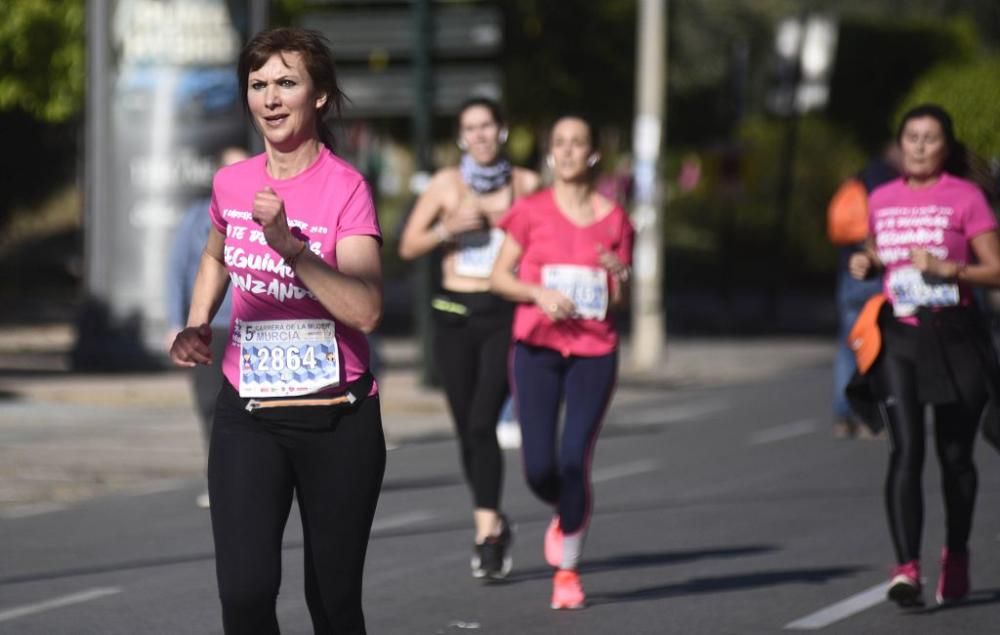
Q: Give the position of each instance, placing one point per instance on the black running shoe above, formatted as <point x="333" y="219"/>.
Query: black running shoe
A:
<point x="494" y="554"/>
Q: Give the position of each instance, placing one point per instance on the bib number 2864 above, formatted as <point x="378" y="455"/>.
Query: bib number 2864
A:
<point x="280" y="358"/>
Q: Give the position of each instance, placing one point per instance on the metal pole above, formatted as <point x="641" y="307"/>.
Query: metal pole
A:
<point x="259" y="16"/>
<point x="98" y="244"/>
<point x="786" y="174"/>
<point x="423" y="91"/>
<point x="648" y="332"/>
<point x="258" y="19"/>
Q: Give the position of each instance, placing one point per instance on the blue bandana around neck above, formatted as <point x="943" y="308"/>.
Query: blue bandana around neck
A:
<point x="484" y="178"/>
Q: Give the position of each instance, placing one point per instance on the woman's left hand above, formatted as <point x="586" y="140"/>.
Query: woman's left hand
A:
<point x="613" y="264"/>
<point x="269" y="213"/>
<point x="926" y="262"/>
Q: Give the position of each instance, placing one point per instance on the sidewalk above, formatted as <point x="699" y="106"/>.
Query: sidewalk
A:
<point x="67" y="436"/>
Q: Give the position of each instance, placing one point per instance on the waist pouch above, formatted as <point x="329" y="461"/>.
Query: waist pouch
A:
<point x="452" y="307"/>
<point x="308" y="412"/>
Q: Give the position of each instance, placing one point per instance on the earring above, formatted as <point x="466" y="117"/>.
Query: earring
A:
<point x="550" y="161"/>
<point x="593" y="159"/>
<point x="503" y="135"/>
<point x="462" y="145"/>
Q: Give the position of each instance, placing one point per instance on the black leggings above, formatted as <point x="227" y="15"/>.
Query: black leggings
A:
<point x="334" y="464"/>
<point x="955" y="427"/>
<point x="543" y="380"/>
<point x="471" y="354"/>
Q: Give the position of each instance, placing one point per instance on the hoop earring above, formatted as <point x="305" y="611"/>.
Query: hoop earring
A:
<point x="550" y="161"/>
<point x="502" y="137"/>
<point x="593" y="159"/>
<point x="462" y="145"/>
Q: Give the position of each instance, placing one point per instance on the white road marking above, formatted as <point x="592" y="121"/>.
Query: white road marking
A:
<point x="841" y="610"/>
<point x="31" y="509"/>
<point x="54" y="603"/>
<point x="786" y="431"/>
<point x="156" y="487"/>
<point x="401" y="520"/>
<point x="620" y="471"/>
<point x="668" y="413"/>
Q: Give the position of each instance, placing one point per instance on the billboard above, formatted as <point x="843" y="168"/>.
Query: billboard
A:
<point x="171" y="106"/>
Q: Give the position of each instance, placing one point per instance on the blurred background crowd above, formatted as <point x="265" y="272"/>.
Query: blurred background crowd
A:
<point x="770" y="106"/>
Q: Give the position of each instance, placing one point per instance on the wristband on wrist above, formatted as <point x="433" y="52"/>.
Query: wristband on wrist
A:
<point x="291" y="261"/>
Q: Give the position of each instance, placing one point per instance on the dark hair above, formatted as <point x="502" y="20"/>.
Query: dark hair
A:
<point x="316" y="57"/>
<point x="484" y="102"/>
<point x="587" y="121"/>
<point x="960" y="161"/>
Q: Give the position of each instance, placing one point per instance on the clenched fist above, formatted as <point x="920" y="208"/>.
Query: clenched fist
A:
<point x="269" y="213"/>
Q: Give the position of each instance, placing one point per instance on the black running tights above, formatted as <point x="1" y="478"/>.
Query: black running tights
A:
<point x="254" y="467"/>
<point x="471" y="355"/>
<point x="955" y="427"/>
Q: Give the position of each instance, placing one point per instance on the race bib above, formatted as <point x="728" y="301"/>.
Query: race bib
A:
<point x="285" y="358"/>
<point x="476" y="252"/>
<point x="910" y="289"/>
<point x="587" y="287"/>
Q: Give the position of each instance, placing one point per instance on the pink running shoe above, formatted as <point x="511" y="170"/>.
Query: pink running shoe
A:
<point x="554" y="543"/>
<point x="567" y="592"/>
<point x="904" y="587"/>
<point x="953" y="585"/>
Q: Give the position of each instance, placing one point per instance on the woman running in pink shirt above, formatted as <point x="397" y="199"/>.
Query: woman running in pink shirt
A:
<point x="932" y="238"/>
<point x="296" y="234"/>
<point x="566" y="262"/>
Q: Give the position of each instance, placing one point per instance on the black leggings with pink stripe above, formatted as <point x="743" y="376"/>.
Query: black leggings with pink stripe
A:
<point x="543" y="378"/>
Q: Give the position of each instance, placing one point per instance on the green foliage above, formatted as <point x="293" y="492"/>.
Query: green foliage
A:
<point x="731" y="228"/>
<point x="971" y="94"/>
<point x="560" y="59"/>
<point x="42" y="59"/>
<point x="877" y="62"/>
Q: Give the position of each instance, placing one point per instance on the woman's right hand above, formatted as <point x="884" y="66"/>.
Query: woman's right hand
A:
<point x="554" y="304"/>
<point x="466" y="218"/>
<point x="192" y="346"/>
<point x="859" y="265"/>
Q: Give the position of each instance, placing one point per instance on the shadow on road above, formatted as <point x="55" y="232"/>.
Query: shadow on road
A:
<point x="976" y="598"/>
<point x="429" y="482"/>
<point x="644" y="559"/>
<point x="724" y="583"/>
<point x="116" y="567"/>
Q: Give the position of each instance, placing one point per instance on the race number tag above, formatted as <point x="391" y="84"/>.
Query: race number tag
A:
<point x="910" y="289"/>
<point x="587" y="287"/>
<point x="284" y="358"/>
<point x="476" y="252"/>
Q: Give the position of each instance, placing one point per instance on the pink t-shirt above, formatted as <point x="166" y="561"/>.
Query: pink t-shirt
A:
<point x="548" y="238"/>
<point x="941" y="218"/>
<point x="328" y="201"/>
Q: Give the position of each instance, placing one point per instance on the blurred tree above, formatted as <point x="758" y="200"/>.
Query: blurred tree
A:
<point x="879" y="61"/>
<point x="971" y="93"/>
<point x="569" y="56"/>
<point x="42" y="59"/>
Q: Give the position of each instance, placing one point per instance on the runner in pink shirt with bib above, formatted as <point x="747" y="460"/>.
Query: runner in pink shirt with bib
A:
<point x="566" y="262"/>
<point x="296" y="236"/>
<point x="933" y="237"/>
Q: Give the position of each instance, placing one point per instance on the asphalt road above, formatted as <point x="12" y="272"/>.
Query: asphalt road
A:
<point x="717" y="510"/>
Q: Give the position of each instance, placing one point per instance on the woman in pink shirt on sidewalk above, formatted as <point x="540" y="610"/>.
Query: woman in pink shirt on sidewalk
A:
<point x="932" y="237"/>
<point x="565" y="261"/>
<point x="295" y="232"/>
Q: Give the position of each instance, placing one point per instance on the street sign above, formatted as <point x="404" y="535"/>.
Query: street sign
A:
<point x="162" y="102"/>
<point x="455" y="32"/>
<point x="390" y="93"/>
